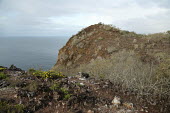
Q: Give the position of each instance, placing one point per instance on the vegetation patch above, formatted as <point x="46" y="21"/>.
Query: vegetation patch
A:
<point x="32" y="86"/>
<point x="66" y="94"/>
<point x="6" y="108"/>
<point x="2" y="76"/>
<point x="47" y="74"/>
<point x="127" y="69"/>
<point x="2" y="69"/>
<point x="164" y="69"/>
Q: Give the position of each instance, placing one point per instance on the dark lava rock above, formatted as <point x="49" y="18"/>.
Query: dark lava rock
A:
<point x="78" y="111"/>
<point x="84" y="75"/>
<point x="2" y="67"/>
<point x="3" y="83"/>
<point x="43" y="88"/>
<point x="14" y="68"/>
<point x="22" y="84"/>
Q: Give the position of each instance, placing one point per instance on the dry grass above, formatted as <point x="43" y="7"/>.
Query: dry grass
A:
<point x="126" y="68"/>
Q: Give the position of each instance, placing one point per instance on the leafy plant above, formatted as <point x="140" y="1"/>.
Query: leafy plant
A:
<point x="2" y="75"/>
<point x="66" y="94"/>
<point x="48" y="74"/>
<point x="1" y="68"/>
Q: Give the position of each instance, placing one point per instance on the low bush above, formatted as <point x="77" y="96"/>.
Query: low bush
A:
<point x="2" y="76"/>
<point x="1" y="68"/>
<point x="31" y="70"/>
<point x="66" y="94"/>
<point x="48" y="74"/>
<point x="6" y="108"/>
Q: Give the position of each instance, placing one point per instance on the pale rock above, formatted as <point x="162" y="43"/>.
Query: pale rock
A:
<point x="82" y="79"/>
<point x="82" y="84"/>
<point x="134" y="41"/>
<point x="90" y="111"/>
<point x="116" y="101"/>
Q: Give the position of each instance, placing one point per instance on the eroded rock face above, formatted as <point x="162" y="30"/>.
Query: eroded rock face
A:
<point x="103" y="41"/>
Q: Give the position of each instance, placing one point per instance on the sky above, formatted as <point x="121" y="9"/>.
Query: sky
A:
<point x="67" y="17"/>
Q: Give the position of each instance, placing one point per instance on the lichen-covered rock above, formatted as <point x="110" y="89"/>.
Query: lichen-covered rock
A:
<point x="78" y="57"/>
<point x="111" y="49"/>
<point x="80" y="45"/>
<point x="74" y="41"/>
<point x="63" y="56"/>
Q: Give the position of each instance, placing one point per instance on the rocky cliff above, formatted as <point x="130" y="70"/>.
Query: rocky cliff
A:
<point x="102" y="41"/>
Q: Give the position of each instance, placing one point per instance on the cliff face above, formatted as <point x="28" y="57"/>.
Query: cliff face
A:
<point x="101" y="41"/>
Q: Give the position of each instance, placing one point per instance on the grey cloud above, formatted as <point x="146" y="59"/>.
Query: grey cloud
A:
<point x="66" y="17"/>
<point x="150" y="3"/>
<point x="147" y="25"/>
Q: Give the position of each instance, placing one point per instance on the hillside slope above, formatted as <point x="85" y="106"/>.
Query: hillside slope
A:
<point x="137" y="63"/>
<point x="101" y="41"/>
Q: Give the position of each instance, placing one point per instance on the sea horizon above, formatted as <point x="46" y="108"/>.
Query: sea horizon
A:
<point x="25" y="52"/>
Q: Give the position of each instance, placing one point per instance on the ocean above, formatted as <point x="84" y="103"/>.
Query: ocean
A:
<point x="30" y="52"/>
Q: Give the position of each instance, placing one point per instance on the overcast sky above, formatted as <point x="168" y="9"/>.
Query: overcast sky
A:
<point x="67" y="17"/>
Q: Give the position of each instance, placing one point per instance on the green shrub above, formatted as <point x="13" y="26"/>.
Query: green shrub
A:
<point x="64" y="90"/>
<point x="19" y="108"/>
<point x="39" y="73"/>
<point x="6" y="108"/>
<point x="2" y="75"/>
<point x="66" y="94"/>
<point x="55" y="86"/>
<point x="1" y="69"/>
<point x="31" y="70"/>
<point x="48" y="74"/>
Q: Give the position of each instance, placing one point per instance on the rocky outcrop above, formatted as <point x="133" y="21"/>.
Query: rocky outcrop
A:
<point x="101" y="41"/>
<point x="82" y="93"/>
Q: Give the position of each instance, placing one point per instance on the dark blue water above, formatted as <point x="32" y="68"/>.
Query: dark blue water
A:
<point x="30" y="52"/>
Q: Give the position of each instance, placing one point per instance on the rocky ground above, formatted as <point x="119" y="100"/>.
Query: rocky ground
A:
<point x="22" y="92"/>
